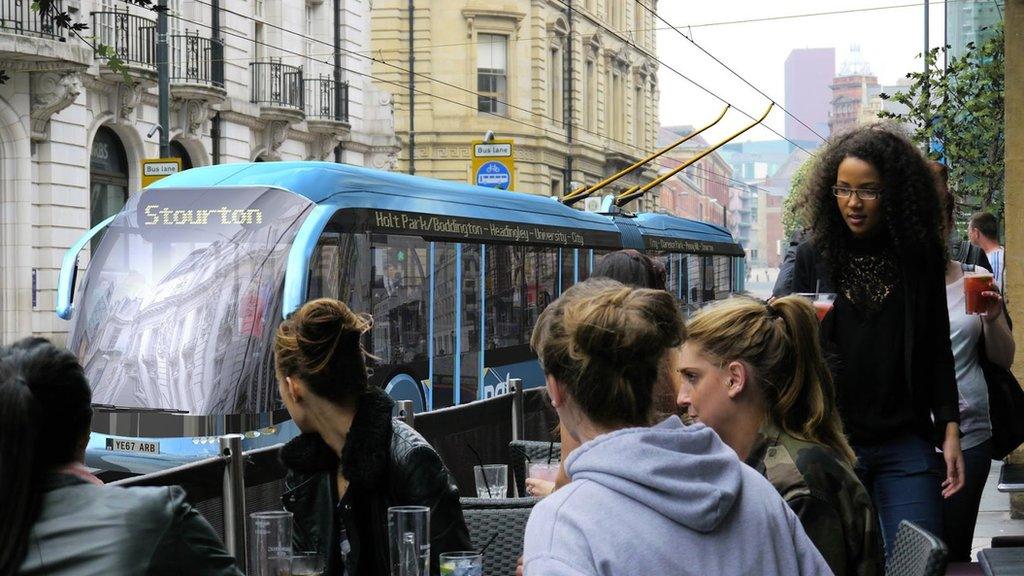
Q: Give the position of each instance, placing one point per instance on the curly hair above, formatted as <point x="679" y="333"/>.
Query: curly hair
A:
<point x="913" y="216"/>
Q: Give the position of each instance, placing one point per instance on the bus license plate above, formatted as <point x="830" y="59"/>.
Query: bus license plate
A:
<point x="133" y="446"/>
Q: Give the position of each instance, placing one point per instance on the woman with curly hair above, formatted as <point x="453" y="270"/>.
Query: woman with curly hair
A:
<point x="877" y="241"/>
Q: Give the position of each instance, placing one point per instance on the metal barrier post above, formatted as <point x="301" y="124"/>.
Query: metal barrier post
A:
<point x="515" y="386"/>
<point x="405" y="412"/>
<point x="234" y="498"/>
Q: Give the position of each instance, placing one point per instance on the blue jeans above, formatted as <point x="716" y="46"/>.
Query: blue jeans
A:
<point x="960" y="511"/>
<point x="904" y="479"/>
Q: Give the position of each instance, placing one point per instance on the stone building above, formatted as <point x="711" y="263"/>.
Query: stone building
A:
<point x="250" y="81"/>
<point x="579" y="95"/>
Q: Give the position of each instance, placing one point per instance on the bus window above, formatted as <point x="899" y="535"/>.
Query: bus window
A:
<point x="585" y="261"/>
<point x="708" y="273"/>
<point x="469" y="376"/>
<point x="693" y="286"/>
<point x="445" y="294"/>
<point x="568" y="269"/>
<point x="505" y="287"/>
<point x="325" y="269"/>
<point x="401" y="297"/>
<point x="723" y="278"/>
<point x="540" y="283"/>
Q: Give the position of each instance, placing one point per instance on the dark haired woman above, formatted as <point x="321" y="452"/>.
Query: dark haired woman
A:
<point x="632" y="268"/>
<point x="57" y="518"/>
<point x="754" y="373"/>
<point x="353" y="461"/>
<point x="667" y="499"/>
<point x="877" y="241"/>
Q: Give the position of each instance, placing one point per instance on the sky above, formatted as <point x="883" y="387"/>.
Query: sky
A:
<point x="890" y="41"/>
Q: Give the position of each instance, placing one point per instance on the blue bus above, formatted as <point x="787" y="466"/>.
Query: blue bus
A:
<point x="174" y="316"/>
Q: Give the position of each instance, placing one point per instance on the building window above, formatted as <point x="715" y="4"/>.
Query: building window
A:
<point x="590" y="98"/>
<point x="492" y="73"/>
<point x="555" y="85"/>
<point x="556" y="188"/>
<point x="309" y="31"/>
<point x="259" y="42"/>
<point x="638" y="116"/>
<point x="639" y="32"/>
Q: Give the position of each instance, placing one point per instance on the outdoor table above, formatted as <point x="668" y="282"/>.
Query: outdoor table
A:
<point x="1002" y="561"/>
<point x="1011" y="478"/>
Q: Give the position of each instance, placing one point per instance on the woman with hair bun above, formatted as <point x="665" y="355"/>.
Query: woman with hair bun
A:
<point x="353" y="461"/>
<point x="667" y="499"/>
<point x="754" y="373"/>
<point x="635" y="269"/>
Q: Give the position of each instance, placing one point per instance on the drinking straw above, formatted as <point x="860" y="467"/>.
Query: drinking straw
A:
<point x="551" y="451"/>
<point x="817" y="289"/>
<point x="483" y="473"/>
<point x="489" y="542"/>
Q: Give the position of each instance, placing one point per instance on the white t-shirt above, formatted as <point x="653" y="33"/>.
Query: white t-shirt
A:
<point x="964" y="333"/>
<point x="998" y="262"/>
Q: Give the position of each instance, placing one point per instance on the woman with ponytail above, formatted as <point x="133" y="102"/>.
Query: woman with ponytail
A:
<point x="353" y="461"/>
<point x="58" y="519"/>
<point x="663" y="499"/>
<point x="754" y="373"/>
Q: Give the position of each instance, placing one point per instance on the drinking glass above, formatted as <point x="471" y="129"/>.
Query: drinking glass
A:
<point x="271" y="543"/>
<point x="975" y="283"/>
<point x="491" y="480"/>
<point x="307" y="564"/>
<point x="409" y="540"/>
<point x="462" y="564"/>
<point x="544" y="471"/>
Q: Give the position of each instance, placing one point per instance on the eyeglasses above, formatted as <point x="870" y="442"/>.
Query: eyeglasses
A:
<point x="862" y="193"/>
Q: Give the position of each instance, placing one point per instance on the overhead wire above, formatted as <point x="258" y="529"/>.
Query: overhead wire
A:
<point x="423" y="92"/>
<point x="402" y="49"/>
<point x="727" y="67"/>
<point x="695" y="83"/>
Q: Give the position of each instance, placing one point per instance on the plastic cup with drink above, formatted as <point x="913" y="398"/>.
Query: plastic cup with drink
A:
<point x="823" y="302"/>
<point x="975" y="285"/>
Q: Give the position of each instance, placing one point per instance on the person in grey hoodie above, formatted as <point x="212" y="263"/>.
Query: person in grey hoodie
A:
<point x="667" y="499"/>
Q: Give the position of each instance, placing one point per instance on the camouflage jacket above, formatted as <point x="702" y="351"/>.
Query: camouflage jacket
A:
<point x="833" y="506"/>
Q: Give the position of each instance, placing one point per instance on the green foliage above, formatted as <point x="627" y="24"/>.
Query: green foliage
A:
<point x="792" y="210"/>
<point x="961" y="106"/>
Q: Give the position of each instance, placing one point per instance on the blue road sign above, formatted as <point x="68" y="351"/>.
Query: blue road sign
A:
<point x="494" y="175"/>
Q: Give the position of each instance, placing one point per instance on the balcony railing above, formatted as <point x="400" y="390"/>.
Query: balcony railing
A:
<point x="192" y="59"/>
<point x="133" y="38"/>
<point x="19" y="17"/>
<point x="327" y="99"/>
<point x="276" y="84"/>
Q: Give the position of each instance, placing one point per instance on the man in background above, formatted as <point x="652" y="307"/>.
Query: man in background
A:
<point x="983" y="232"/>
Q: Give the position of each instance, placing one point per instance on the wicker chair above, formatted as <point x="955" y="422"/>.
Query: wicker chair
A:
<point x="916" y="552"/>
<point x="523" y="451"/>
<point x="503" y="519"/>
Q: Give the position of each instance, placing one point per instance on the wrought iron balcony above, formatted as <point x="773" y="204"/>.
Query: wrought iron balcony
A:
<point x="327" y="99"/>
<point x="133" y="38"/>
<point x="19" y="17"/>
<point x="192" y="59"/>
<point x="277" y="85"/>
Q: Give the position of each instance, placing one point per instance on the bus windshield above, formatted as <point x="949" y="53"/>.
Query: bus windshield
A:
<point x="178" y="307"/>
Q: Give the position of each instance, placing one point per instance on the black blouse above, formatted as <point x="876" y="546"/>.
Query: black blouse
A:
<point x="890" y="332"/>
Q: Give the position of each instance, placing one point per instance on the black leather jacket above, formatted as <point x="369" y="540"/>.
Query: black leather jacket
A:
<point x="387" y="463"/>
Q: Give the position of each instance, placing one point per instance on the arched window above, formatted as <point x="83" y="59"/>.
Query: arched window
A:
<point x="108" y="176"/>
<point x="178" y="151"/>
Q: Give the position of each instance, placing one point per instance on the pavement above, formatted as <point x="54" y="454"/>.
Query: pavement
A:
<point x="994" y="515"/>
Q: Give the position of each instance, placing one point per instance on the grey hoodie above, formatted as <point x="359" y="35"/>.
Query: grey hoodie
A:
<point x="670" y="499"/>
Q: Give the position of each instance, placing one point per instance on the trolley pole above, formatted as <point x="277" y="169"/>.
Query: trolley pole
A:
<point x="163" y="76"/>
